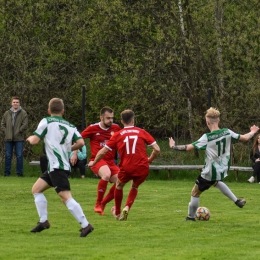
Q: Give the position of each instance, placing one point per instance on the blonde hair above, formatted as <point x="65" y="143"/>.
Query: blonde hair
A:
<point x="56" y="105"/>
<point x="212" y="115"/>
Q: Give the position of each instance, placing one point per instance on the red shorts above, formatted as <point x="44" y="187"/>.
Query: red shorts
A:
<point x="138" y="176"/>
<point x="111" y="165"/>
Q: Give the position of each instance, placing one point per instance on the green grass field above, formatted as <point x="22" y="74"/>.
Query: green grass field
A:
<point x="155" y="228"/>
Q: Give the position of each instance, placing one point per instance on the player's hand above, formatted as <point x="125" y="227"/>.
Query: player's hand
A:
<point x="91" y="163"/>
<point x="171" y="142"/>
<point x="29" y="139"/>
<point x="73" y="159"/>
<point x="254" y="128"/>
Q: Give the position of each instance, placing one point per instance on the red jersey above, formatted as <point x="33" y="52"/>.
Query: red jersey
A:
<point x="98" y="137"/>
<point x="131" y="142"/>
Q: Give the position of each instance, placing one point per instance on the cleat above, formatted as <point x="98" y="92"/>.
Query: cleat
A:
<point x="124" y="214"/>
<point x="86" y="230"/>
<point x="251" y="179"/>
<point x="102" y="206"/>
<point x="98" y="208"/>
<point x="189" y="218"/>
<point x="41" y="226"/>
<point x="113" y="211"/>
<point x="240" y="203"/>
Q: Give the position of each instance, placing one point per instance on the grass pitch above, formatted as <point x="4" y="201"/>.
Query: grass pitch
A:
<point x="155" y="228"/>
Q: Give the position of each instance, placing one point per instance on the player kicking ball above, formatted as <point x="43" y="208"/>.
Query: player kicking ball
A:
<point x="217" y="160"/>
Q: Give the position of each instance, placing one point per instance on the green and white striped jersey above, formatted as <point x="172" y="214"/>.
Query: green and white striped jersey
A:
<point x="58" y="135"/>
<point x="217" y="158"/>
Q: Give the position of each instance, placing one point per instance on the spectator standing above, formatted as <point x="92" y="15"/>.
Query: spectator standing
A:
<point x="14" y="124"/>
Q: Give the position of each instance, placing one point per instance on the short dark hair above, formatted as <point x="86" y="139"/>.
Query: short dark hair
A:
<point x="127" y="116"/>
<point x="106" y="109"/>
<point x="56" y="105"/>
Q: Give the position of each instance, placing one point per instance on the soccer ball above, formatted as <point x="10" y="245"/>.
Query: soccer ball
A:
<point x="203" y="214"/>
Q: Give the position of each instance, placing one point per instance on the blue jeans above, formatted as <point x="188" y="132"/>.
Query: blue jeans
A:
<point x="18" y="147"/>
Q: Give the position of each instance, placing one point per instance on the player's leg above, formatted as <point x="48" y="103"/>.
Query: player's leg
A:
<point x="194" y="202"/>
<point x="227" y="192"/>
<point x="138" y="177"/>
<point x="110" y="195"/>
<point x="62" y="187"/>
<point x="76" y="211"/>
<point x="105" y="174"/>
<point x="129" y="202"/>
<point x="118" y="196"/>
<point x="41" y="202"/>
<point x="200" y="186"/>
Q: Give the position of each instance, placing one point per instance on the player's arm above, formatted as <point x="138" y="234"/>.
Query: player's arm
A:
<point x="33" y="139"/>
<point x="86" y="133"/>
<point x="186" y="147"/>
<point x="77" y="145"/>
<point x="74" y="157"/>
<point x="155" y="152"/>
<point x="253" y="129"/>
<point x="101" y="153"/>
<point x="38" y="134"/>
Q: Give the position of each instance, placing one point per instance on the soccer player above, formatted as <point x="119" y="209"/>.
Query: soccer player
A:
<point x="217" y="160"/>
<point x="131" y="144"/>
<point x="99" y="134"/>
<point x="58" y="135"/>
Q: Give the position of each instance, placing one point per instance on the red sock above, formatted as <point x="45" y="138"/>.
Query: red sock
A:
<point x="109" y="196"/>
<point x="131" y="197"/>
<point x="118" y="200"/>
<point x="101" y="189"/>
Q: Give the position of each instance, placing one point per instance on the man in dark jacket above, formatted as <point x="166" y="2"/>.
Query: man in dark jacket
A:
<point x="14" y="124"/>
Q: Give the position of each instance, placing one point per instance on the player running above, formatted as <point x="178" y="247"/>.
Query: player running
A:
<point x="99" y="134"/>
<point x="58" y="135"/>
<point x="130" y="142"/>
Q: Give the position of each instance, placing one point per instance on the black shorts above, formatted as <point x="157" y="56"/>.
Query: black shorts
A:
<point x="204" y="184"/>
<point x="57" y="179"/>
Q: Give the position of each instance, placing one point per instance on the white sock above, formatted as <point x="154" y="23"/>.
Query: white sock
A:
<point x="77" y="212"/>
<point x="193" y="205"/>
<point x="41" y="206"/>
<point x="226" y="191"/>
